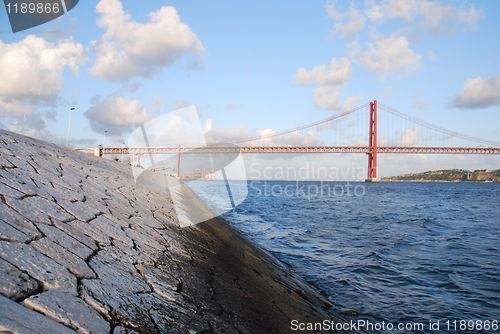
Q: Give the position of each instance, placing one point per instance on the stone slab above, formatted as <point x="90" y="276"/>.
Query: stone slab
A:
<point x="91" y="232"/>
<point x="15" y="284"/>
<point x="76" y="234"/>
<point x="10" y="192"/>
<point x="15" y="318"/>
<point x="38" y="209"/>
<point x="68" y="242"/>
<point x="9" y="233"/>
<point x="124" y="330"/>
<point x="14" y="219"/>
<point x="111" y="229"/>
<point x="61" y="255"/>
<point x="50" y="273"/>
<point x="79" y="210"/>
<point x="69" y="310"/>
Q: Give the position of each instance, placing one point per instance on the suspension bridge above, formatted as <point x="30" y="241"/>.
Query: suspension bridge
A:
<point x="373" y="128"/>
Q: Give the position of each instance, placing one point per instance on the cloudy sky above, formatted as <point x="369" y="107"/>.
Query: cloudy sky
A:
<point x="255" y="67"/>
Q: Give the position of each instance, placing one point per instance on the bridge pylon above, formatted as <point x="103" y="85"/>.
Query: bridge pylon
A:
<point x="372" y="144"/>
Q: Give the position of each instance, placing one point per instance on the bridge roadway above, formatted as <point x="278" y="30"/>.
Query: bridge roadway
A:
<point x="298" y="149"/>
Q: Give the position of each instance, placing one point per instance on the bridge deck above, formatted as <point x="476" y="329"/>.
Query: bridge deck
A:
<point x="299" y="149"/>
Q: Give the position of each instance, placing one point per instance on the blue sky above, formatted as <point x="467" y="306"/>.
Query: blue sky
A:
<point x="255" y="66"/>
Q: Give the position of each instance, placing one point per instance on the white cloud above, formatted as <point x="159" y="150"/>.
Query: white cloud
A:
<point x="418" y="102"/>
<point x="432" y="56"/>
<point x="409" y="137"/>
<point x="295" y="138"/>
<point x="32" y="79"/>
<point x="482" y="92"/>
<point x="34" y="125"/>
<point x="157" y="104"/>
<point x="388" y="55"/>
<point x="337" y="74"/>
<point x="224" y="135"/>
<point x="263" y="136"/>
<point x="129" y="48"/>
<point x="116" y="114"/>
<point x="355" y="21"/>
<point x="180" y="103"/>
<point x="328" y="98"/>
<point x="208" y="125"/>
<point x="435" y="17"/>
<point x="32" y="73"/>
<point x="83" y="142"/>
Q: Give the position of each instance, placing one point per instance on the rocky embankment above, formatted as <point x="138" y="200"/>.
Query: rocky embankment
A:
<point x="449" y="175"/>
<point x="85" y="249"/>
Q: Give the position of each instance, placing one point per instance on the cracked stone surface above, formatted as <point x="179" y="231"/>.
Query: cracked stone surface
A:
<point x="61" y="255"/>
<point x="50" y="273"/>
<point x="15" y="318"/>
<point x="68" y="310"/>
<point x="83" y="248"/>
<point x="15" y="283"/>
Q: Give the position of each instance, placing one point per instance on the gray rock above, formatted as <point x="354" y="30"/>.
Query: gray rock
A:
<point x="116" y="279"/>
<point x="18" y="222"/>
<point x="10" y="192"/>
<point x="9" y="233"/>
<point x="68" y="194"/>
<point x="112" y="230"/>
<point x="144" y="237"/>
<point x="66" y="241"/>
<point x="38" y="184"/>
<point x="124" y="330"/>
<point x="174" y="318"/>
<point x="15" y="318"/>
<point x="15" y="284"/>
<point x="91" y="232"/>
<point x="134" y="255"/>
<point x="69" y="310"/>
<point x="96" y="203"/>
<point x="62" y="256"/>
<point x="162" y="283"/>
<point x="119" y="207"/>
<point x="129" y="309"/>
<point x="9" y="179"/>
<point x="79" y="210"/>
<point x="38" y="209"/>
<point x="146" y="222"/>
<point x="77" y="234"/>
<point x="46" y="164"/>
<point x="4" y="162"/>
<point x="51" y="274"/>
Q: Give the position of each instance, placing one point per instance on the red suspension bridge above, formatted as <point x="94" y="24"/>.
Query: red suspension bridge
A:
<point x="372" y="129"/>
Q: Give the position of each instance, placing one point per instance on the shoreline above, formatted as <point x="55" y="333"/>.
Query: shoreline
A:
<point x="84" y="248"/>
<point x="260" y="268"/>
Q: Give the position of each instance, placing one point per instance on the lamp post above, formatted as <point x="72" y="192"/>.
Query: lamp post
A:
<point x="69" y="123"/>
<point x="104" y="141"/>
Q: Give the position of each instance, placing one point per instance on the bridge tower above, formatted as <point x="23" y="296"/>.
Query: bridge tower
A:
<point x="372" y="154"/>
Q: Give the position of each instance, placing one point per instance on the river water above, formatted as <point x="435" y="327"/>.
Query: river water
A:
<point x="397" y="253"/>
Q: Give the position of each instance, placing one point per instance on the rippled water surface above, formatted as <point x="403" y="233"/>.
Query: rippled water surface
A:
<point x="400" y="252"/>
